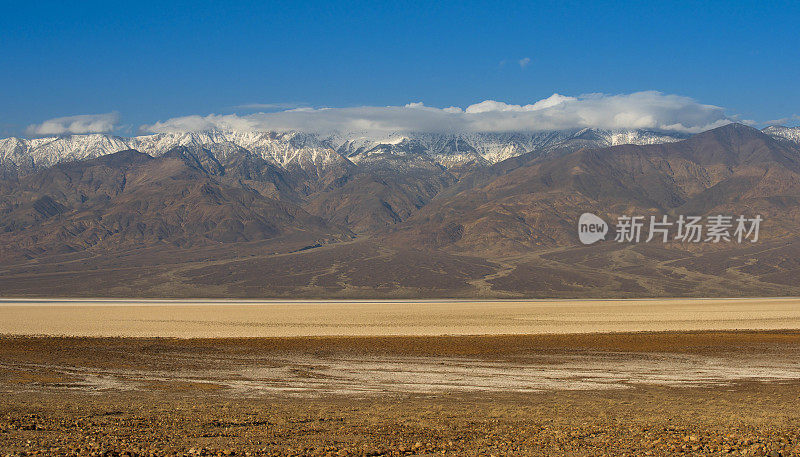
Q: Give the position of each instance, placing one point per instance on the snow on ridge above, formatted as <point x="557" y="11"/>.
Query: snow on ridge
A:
<point x="783" y="132"/>
<point x="308" y="150"/>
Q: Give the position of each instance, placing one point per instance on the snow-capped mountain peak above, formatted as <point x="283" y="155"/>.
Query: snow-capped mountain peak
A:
<point x="312" y="153"/>
<point x="786" y="133"/>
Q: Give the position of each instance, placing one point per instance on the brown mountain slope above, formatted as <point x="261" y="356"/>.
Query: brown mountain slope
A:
<point x="130" y="200"/>
<point x="730" y="170"/>
<point x="374" y="201"/>
<point x="382" y="190"/>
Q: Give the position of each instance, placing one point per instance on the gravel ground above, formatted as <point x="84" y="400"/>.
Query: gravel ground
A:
<point x="49" y="408"/>
<point x="749" y="419"/>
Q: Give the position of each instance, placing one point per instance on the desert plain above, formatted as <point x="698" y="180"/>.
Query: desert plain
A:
<point x="401" y="377"/>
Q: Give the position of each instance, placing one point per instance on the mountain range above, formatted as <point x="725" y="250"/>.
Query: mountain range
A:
<point x="269" y="214"/>
<point x="307" y="150"/>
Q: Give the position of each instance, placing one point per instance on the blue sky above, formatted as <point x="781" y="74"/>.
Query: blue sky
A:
<point x="152" y="61"/>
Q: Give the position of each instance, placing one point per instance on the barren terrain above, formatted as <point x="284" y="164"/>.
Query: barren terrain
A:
<point x="643" y="393"/>
<point x="289" y="318"/>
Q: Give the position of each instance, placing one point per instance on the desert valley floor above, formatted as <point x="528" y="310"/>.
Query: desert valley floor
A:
<point x="496" y="378"/>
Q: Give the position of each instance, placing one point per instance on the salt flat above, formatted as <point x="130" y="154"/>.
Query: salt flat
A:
<point x="206" y="318"/>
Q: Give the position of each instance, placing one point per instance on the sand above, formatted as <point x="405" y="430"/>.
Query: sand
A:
<point x="200" y="319"/>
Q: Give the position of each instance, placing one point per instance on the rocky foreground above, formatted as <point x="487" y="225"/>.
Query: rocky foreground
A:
<point x="734" y="420"/>
<point x="48" y="410"/>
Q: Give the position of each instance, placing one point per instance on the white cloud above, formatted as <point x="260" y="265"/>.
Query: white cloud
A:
<point x="267" y="106"/>
<point x="488" y="106"/>
<point x="85" y="123"/>
<point x="524" y="62"/>
<point x="650" y="110"/>
<point x="784" y="120"/>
